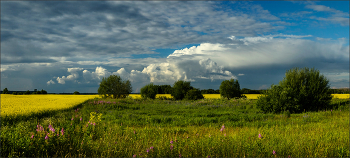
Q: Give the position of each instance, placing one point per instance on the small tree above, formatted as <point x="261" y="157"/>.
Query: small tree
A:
<point x="230" y="89"/>
<point x="194" y="94"/>
<point x="27" y="92"/>
<point x="37" y="92"/>
<point x="180" y="89"/>
<point x="149" y="91"/>
<point x="20" y="93"/>
<point x="43" y="91"/>
<point x="114" y="87"/>
<point x="5" y="91"/>
<point x="14" y="93"/>
<point x="301" y="89"/>
<point x="76" y="93"/>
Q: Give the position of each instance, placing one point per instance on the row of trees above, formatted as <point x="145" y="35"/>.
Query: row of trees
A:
<point x="6" y="91"/>
<point x="301" y="90"/>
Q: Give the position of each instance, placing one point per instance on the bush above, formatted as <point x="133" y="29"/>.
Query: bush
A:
<point x="14" y="93"/>
<point x="194" y="94"/>
<point x="114" y="87"/>
<point x="301" y="89"/>
<point x="149" y="91"/>
<point x="20" y="93"/>
<point x="76" y="93"/>
<point x="180" y="89"/>
<point x="5" y="91"/>
<point x="27" y="92"/>
<point x="230" y="89"/>
<point x="42" y="92"/>
<point x="38" y="92"/>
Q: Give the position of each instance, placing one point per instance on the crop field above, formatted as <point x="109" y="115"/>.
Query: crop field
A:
<point x="27" y="104"/>
<point x="136" y="127"/>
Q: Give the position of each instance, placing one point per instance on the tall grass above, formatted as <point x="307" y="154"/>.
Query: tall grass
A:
<point x="165" y="128"/>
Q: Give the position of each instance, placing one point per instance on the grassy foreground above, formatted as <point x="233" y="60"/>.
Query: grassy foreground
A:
<point x="165" y="128"/>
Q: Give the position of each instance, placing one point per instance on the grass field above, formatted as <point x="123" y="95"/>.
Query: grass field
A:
<point x="165" y="128"/>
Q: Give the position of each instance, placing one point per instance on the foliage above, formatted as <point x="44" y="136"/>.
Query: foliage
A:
<point x="27" y="92"/>
<point x="180" y="89"/>
<point x="5" y="91"/>
<point x="114" y="87"/>
<point x="194" y="94"/>
<point x="230" y="89"/>
<point x="210" y="91"/>
<point x="149" y="91"/>
<point x="76" y="93"/>
<point x="14" y="93"/>
<point x="42" y="91"/>
<point x="20" y="93"/>
<point x="301" y="90"/>
<point x="163" y="89"/>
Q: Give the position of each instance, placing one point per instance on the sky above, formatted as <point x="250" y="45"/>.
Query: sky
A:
<point x="68" y="46"/>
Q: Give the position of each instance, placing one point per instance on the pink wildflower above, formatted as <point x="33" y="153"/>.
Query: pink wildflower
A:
<point x="171" y="147"/>
<point x="273" y="152"/>
<point x="259" y="135"/>
<point x="32" y="136"/>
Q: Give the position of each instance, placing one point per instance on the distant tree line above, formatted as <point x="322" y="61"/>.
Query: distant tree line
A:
<point x="6" y="91"/>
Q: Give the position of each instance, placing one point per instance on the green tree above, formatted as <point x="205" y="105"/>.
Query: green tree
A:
<point x="180" y="89"/>
<point x="5" y="91"/>
<point x="301" y="89"/>
<point x="37" y="92"/>
<point x="149" y="91"/>
<point x="14" y="93"/>
<point x="194" y="94"/>
<point x="43" y="91"/>
<point x="20" y="93"/>
<point x="114" y="87"/>
<point x="76" y="93"/>
<point x="230" y="89"/>
<point x="27" y="92"/>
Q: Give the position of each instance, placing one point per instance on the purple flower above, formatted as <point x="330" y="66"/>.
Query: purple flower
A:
<point x="171" y="147"/>
<point x="32" y="136"/>
<point x="273" y="152"/>
<point x="94" y="123"/>
<point x="134" y="132"/>
<point x="147" y="150"/>
<point x="179" y="155"/>
<point x="81" y="118"/>
<point x="151" y="147"/>
<point x="134" y="156"/>
<point x="140" y="154"/>
<point x="259" y="135"/>
<point x="46" y="137"/>
<point x="62" y="131"/>
<point x="72" y="118"/>
<point x="171" y="142"/>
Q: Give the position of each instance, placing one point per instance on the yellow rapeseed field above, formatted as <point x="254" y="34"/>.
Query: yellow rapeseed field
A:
<point x="12" y="105"/>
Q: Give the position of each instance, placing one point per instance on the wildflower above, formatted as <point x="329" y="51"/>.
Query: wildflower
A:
<point x="32" y="136"/>
<point x="225" y="134"/>
<point x="331" y="109"/>
<point x="62" y="131"/>
<point x="134" y="132"/>
<point x="273" y="152"/>
<point x="94" y="123"/>
<point x="179" y="155"/>
<point x="171" y="147"/>
<point x="82" y="142"/>
<point x="140" y="154"/>
<point x="46" y="137"/>
<point x="134" y="156"/>
<point x="151" y="147"/>
<point x="87" y="125"/>
<point x="187" y="137"/>
<point x="259" y="136"/>
<point x="81" y="118"/>
<point x="171" y="142"/>
<point x="72" y="118"/>
<point x="147" y="150"/>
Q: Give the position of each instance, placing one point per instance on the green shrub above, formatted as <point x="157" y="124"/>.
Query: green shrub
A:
<point x="76" y="93"/>
<point x="180" y="89"/>
<point x="38" y="92"/>
<point x="149" y="91"/>
<point x="14" y="93"/>
<point x="20" y="93"/>
<point x="301" y="89"/>
<point x="5" y="91"/>
<point x="230" y="89"/>
<point x="27" y="92"/>
<point x="194" y="94"/>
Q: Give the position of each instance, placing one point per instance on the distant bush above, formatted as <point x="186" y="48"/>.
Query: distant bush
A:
<point x="14" y="93"/>
<point x="43" y="91"/>
<point x="76" y="93"/>
<point x="301" y="89"/>
<point x="230" y="89"/>
<point x="20" y="93"/>
<point x="27" y="92"/>
<point x="5" y="91"/>
<point x="180" y="89"/>
<point x="194" y="94"/>
<point x="38" y="92"/>
<point x="149" y="91"/>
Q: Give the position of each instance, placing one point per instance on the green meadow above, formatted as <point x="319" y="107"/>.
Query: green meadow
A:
<point x="167" y="128"/>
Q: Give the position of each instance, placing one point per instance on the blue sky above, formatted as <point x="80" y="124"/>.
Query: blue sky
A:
<point x="70" y="46"/>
